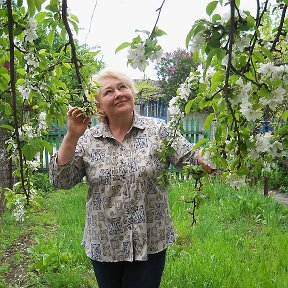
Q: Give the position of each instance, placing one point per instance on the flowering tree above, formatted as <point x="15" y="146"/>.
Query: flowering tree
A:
<point x="32" y="93"/>
<point x="243" y="79"/>
<point x="172" y="69"/>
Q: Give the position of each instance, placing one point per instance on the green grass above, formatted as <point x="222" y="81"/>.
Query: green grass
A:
<point x="240" y="240"/>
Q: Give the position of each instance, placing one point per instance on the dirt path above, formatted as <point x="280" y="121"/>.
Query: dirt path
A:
<point x="281" y="197"/>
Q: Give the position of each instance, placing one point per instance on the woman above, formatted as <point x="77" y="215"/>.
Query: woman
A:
<point x="128" y="225"/>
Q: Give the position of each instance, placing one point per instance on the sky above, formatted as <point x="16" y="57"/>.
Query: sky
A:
<point x="115" y="22"/>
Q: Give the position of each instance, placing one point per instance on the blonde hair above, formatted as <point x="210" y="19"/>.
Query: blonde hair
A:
<point x="107" y="73"/>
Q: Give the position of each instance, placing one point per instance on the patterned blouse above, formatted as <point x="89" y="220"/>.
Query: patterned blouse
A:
<point x="127" y="213"/>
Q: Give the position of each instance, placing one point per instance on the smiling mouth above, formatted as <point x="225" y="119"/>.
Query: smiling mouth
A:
<point x="120" y="102"/>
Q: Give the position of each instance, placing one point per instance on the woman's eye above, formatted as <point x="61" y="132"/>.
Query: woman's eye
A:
<point x="108" y="92"/>
<point x="123" y="87"/>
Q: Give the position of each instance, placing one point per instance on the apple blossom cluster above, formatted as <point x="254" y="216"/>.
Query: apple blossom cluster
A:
<point x="138" y="56"/>
<point x="27" y="131"/>
<point x="42" y="125"/>
<point x="24" y="90"/>
<point x="196" y="42"/>
<point x="18" y="203"/>
<point x="279" y="91"/>
<point x="30" y="31"/>
<point x="177" y="101"/>
<point x="265" y="144"/>
<point x="19" y="208"/>
<point x="31" y="60"/>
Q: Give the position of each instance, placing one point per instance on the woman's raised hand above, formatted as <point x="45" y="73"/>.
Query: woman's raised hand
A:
<point x="77" y="123"/>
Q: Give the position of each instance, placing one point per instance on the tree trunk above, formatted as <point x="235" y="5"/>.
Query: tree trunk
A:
<point x="6" y="179"/>
<point x="266" y="185"/>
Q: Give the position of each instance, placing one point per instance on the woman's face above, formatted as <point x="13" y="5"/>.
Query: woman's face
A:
<point x="115" y="97"/>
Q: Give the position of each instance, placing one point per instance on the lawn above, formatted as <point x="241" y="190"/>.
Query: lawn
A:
<point x="240" y="240"/>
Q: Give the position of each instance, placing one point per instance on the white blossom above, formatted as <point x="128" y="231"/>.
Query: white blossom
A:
<point x="267" y="69"/>
<point x="33" y="165"/>
<point x="207" y="158"/>
<point x="156" y="55"/>
<point x="263" y="142"/>
<point x="32" y="23"/>
<point x="140" y="63"/>
<point x="277" y="98"/>
<point x="28" y="131"/>
<point x="24" y="91"/>
<point x="235" y="181"/>
<point x="42" y="121"/>
<point x="30" y="61"/>
<point x="249" y="112"/>
<point x="30" y="32"/>
<point x="242" y="42"/>
<point x="196" y="42"/>
<point x="174" y="110"/>
<point x="31" y="35"/>
<point x="19" y="210"/>
<point x="277" y="149"/>
<point x="184" y="91"/>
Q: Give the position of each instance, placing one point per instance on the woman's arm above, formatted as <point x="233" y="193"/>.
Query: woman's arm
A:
<point x="76" y="126"/>
<point x="66" y="167"/>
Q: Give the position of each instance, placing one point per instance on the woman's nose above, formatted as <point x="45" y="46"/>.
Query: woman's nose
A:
<point x="117" y="93"/>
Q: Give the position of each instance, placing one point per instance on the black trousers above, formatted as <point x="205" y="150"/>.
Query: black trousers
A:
<point x="136" y="274"/>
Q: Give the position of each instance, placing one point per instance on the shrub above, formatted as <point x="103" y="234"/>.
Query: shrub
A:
<point x="279" y="178"/>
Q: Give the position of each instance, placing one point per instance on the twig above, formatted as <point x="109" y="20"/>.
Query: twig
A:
<point x="229" y="67"/>
<point x="91" y="19"/>
<point x="159" y="10"/>
<point x="279" y="32"/>
<point x="73" y="48"/>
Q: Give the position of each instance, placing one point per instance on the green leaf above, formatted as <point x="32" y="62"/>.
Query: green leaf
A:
<point x="199" y="143"/>
<point x="211" y="7"/>
<point x="189" y="36"/>
<point x="29" y="151"/>
<point x="258" y="56"/>
<point x="208" y="121"/>
<point x="67" y="65"/>
<point x="237" y="3"/>
<point x="285" y="115"/>
<point x="158" y="32"/>
<point x="75" y="25"/>
<point x="38" y="4"/>
<point x="19" y="3"/>
<point x="216" y="18"/>
<point x="122" y="46"/>
<point x="40" y="16"/>
<point x="46" y="145"/>
<point x="74" y="17"/>
<point x="31" y="7"/>
<point x="143" y="31"/>
<point x="4" y="73"/>
<point x="11" y="128"/>
<point x="21" y="71"/>
<point x="267" y="53"/>
<point x="188" y="106"/>
<point x="50" y="37"/>
<point x="263" y="92"/>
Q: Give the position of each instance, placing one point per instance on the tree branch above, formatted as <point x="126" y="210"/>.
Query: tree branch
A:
<point x="280" y="27"/>
<point x="229" y="67"/>
<point x="13" y="93"/>
<point x="73" y="48"/>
